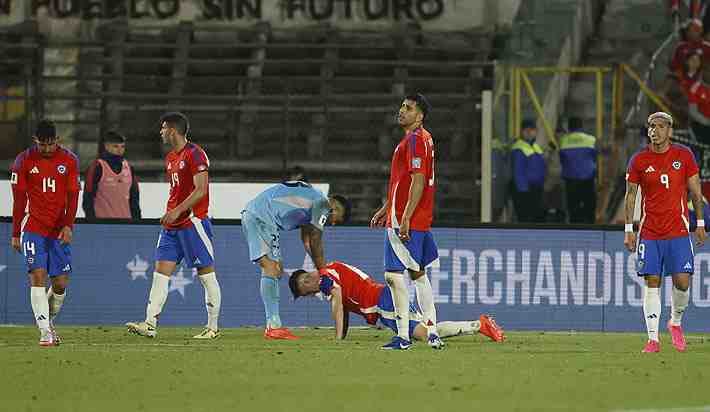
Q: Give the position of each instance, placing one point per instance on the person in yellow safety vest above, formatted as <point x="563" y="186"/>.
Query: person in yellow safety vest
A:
<point x="529" y="170"/>
<point x="578" y="158"/>
<point x="694" y="219"/>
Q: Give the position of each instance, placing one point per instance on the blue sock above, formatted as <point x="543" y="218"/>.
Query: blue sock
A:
<point x="270" y="297"/>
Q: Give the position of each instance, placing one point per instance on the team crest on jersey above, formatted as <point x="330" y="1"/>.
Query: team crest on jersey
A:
<point x="61" y="169"/>
<point x="182" y="164"/>
<point x="676" y="165"/>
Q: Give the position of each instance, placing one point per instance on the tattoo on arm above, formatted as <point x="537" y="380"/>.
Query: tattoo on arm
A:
<point x="630" y="201"/>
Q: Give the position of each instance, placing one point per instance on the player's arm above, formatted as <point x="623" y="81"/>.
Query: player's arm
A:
<point x="312" y="239"/>
<point x="338" y="312"/>
<point x="696" y="196"/>
<point x="93" y="176"/>
<point x="18" y="181"/>
<point x="629" y="204"/>
<point x="72" y="202"/>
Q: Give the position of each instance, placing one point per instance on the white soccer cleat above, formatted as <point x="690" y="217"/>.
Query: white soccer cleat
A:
<point x="208" y="333"/>
<point x="142" y="329"/>
<point x="46" y="338"/>
<point x="53" y="331"/>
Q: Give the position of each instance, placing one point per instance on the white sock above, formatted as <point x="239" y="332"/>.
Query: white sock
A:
<point x="157" y="297"/>
<point x="55" y="302"/>
<point x="467" y="327"/>
<point x="652" y="311"/>
<point x="400" y="299"/>
<point x="425" y="298"/>
<point x="213" y="299"/>
<point x="40" y="306"/>
<point x="679" y="301"/>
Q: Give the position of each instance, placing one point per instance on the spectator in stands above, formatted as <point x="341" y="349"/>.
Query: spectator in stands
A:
<point x="111" y="189"/>
<point x="698" y="96"/>
<point x="296" y="173"/>
<point x="693" y="41"/>
<point x="528" y="175"/>
<point x="578" y="157"/>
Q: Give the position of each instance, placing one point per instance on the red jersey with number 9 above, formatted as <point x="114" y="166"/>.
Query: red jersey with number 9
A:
<point x="663" y="180"/>
<point x="181" y="167"/>
<point x="414" y="154"/>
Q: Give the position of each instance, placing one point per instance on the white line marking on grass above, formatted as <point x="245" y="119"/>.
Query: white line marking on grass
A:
<point x="703" y="408"/>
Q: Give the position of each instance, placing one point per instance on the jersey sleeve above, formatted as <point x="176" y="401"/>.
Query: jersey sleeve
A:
<point x="198" y="161"/>
<point x="419" y="154"/>
<point x="18" y="181"/>
<point x="319" y="213"/>
<point x="692" y="169"/>
<point x="633" y="175"/>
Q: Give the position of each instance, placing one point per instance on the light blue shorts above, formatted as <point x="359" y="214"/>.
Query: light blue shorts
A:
<point x="263" y="239"/>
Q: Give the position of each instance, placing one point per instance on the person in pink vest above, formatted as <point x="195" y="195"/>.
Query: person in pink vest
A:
<point x="111" y="188"/>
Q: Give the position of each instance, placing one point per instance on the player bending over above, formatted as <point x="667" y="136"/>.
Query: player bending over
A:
<point x="351" y="290"/>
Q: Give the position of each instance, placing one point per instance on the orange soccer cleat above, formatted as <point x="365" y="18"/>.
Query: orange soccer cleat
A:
<point x="279" y="333"/>
<point x="677" y="337"/>
<point x="652" y="346"/>
<point x="490" y="328"/>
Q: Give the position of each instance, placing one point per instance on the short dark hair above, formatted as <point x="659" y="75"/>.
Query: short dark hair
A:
<point x="178" y="121"/>
<point x="293" y="282"/>
<point x="297" y="170"/>
<point x="574" y="123"/>
<point x="347" y="205"/>
<point x="46" y="131"/>
<point x="422" y="103"/>
<point x="113" y="136"/>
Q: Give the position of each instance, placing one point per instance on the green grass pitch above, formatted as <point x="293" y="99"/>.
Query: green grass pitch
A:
<point x="104" y="369"/>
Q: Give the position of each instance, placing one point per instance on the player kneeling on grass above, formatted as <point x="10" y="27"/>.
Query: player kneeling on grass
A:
<point x="350" y="290"/>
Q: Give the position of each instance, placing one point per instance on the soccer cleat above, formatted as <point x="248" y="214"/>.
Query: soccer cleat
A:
<point x="435" y="342"/>
<point x="279" y="333"/>
<point x="208" y="333"/>
<point x="652" y="346"/>
<point x="142" y="329"/>
<point x="397" y="343"/>
<point x="677" y="337"/>
<point x="490" y="328"/>
<point x="57" y="338"/>
<point x="46" y="338"/>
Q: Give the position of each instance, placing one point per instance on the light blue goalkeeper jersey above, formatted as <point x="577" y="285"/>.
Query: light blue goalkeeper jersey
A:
<point x="290" y="205"/>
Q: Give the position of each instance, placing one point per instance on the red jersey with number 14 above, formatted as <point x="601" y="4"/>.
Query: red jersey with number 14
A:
<point x="181" y="167"/>
<point x="414" y="154"/>
<point x="663" y="179"/>
<point x="360" y="293"/>
<point x="50" y="185"/>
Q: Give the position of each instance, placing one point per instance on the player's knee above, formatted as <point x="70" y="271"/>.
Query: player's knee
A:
<point x="59" y="284"/>
<point x="653" y="281"/>
<point x="270" y="267"/>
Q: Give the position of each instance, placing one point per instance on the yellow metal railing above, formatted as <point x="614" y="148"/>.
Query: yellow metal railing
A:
<point x="519" y="78"/>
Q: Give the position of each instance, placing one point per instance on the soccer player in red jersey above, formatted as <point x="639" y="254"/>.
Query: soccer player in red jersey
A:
<point x="407" y="214"/>
<point x="45" y="191"/>
<point x="350" y="290"/>
<point x="187" y="232"/>
<point x="665" y="172"/>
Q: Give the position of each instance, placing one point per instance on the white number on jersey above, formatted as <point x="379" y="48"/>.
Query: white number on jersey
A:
<point x="664" y="180"/>
<point x="29" y="248"/>
<point x="174" y="179"/>
<point x="48" y="184"/>
<point x="13" y="178"/>
<point x="323" y="219"/>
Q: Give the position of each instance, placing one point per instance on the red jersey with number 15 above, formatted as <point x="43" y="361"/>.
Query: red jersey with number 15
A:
<point x="663" y="179"/>
<point x="50" y="185"/>
<point x="181" y="167"/>
<point x="414" y="154"/>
